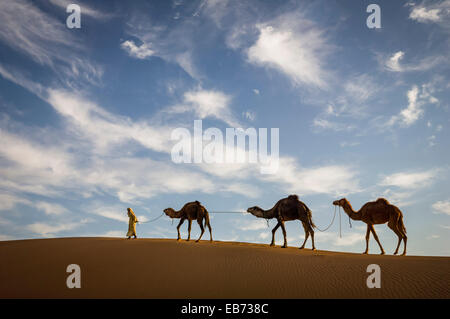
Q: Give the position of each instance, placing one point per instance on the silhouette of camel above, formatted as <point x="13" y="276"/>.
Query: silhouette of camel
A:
<point x="191" y="211"/>
<point x="286" y="209"/>
<point x="377" y="212"/>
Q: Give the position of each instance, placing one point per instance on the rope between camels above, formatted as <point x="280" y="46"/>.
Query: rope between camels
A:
<point x="332" y="221"/>
<point x="152" y="220"/>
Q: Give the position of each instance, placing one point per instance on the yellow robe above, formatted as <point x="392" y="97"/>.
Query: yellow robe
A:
<point x="132" y="223"/>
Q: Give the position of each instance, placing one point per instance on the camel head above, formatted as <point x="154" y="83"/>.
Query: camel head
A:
<point x="341" y="202"/>
<point x="255" y="211"/>
<point x="170" y="212"/>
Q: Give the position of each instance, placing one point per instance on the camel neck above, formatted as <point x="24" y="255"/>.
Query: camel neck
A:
<point x="350" y="212"/>
<point x="269" y="213"/>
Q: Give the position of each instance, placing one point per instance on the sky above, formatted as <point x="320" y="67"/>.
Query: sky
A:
<point x="87" y="116"/>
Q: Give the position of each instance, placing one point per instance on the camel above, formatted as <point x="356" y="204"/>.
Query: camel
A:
<point x="191" y="211"/>
<point x="377" y="212"/>
<point x="287" y="209"/>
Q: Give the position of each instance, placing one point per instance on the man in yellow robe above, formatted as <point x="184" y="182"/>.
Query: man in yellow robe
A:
<point x="131" y="223"/>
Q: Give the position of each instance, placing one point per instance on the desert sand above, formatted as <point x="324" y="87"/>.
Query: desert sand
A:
<point x="165" y="268"/>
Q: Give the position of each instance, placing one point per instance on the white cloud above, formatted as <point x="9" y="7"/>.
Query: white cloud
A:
<point x="34" y="33"/>
<point x="256" y="224"/>
<point x="417" y="98"/>
<point x="49" y="230"/>
<point x="393" y="63"/>
<point x="324" y="124"/>
<point x="175" y="45"/>
<point x="293" y="46"/>
<point x="426" y="14"/>
<point x="103" y="128"/>
<point x="432" y="12"/>
<point x="442" y="207"/>
<point x="100" y="165"/>
<point x="351" y="102"/>
<point x="50" y="208"/>
<point x="410" y="180"/>
<point x="117" y="213"/>
<point x="399" y="198"/>
<point x="249" y="190"/>
<point x="141" y="52"/>
<point x="347" y="239"/>
<point x="86" y="10"/>
<point x="413" y="111"/>
<point x="207" y="103"/>
<point x="31" y="166"/>
<point x="9" y="201"/>
<point x="263" y="235"/>
<point x="331" y="179"/>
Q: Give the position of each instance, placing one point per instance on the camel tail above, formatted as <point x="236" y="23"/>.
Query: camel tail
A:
<point x="309" y="213"/>
<point x="206" y="217"/>
<point x="401" y="224"/>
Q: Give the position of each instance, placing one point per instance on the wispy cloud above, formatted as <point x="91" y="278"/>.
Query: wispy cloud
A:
<point x="417" y="99"/>
<point x="393" y="63"/>
<point x="9" y="201"/>
<point x="350" y="101"/>
<point x="294" y="46"/>
<point x="256" y="224"/>
<point x="43" y="38"/>
<point x="431" y="12"/>
<point x="140" y="52"/>
<point x="327" y="179"/>
<point x="51" y="229"/>
<point x="410" y="180"/>
<point x="442" y="207"/>
<point x="206" y="103"/>
<point x="175" y="45"/>
<point x="50" y="208"/>
<point x="86" y="10"/>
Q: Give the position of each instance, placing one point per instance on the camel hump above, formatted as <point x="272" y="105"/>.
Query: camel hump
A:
<point x="197" y="202"/>
<point x="293" y="197"/>
<point x="383" y="200"/>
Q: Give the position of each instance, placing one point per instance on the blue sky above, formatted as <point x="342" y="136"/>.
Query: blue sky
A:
<point x="86" y="115"/>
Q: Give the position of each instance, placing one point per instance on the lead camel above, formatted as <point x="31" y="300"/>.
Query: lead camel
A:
<point x="377" y="212"/>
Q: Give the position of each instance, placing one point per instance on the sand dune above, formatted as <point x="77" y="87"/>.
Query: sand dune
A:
<point x="165" y="268"/>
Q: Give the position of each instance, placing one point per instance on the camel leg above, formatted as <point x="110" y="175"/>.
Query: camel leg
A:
<point x="376" y="238"/>
<point x="306" y="235"/>
<point x="178" y="228"/>
<point x="367" y="239"/>
<point x="392" y="225"/>
<point x="273" y="234"/>
<point x="405" y="239"/>
<point x="284" y="234"/>
<point x="210" y="231"/>
<point x="311" y="231"/>
<point x="200" y="223"/>
<point x="401" y="229"/>
<point x="189" y="229"/>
